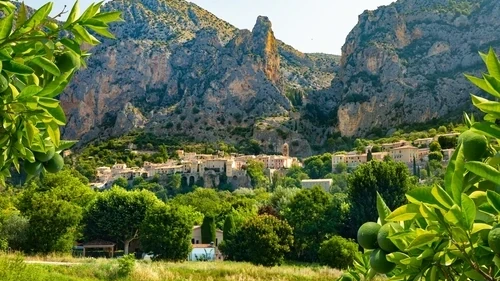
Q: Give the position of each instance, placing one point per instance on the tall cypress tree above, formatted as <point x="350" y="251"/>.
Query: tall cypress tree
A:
<point x="208" y="230"/>
<point x="369" y="156"/>
<point x="229" y="227"/>
<point x="414" y="166"/>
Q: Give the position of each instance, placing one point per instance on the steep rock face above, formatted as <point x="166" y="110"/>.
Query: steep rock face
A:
<point x="404" y="63"/>
<point x="177" y="70"/>
<point x="266" y="46"/>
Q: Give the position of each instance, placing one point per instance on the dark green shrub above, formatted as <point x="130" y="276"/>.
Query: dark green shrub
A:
<point x="436" y="155"/>
<point x="447" y="142"/>
<point x="338" y="252"/>
<point x="263" y="240"/>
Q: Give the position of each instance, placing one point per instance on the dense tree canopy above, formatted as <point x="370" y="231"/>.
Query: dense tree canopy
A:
<point x="391" y="179"/>
<point x="263" y="240"/>
<point x="255" y="170"/>
<point x="54" y="207"/>
<point x="318" y="166"/>
<point x="166" y="231"/>
<point x="313" y="216"/>
<point x="117" y="215"/>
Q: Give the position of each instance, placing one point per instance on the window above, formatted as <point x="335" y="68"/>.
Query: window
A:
<point x="192" y="241"/>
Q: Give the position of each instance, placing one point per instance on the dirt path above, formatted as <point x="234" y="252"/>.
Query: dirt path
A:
<point x="52" y="263"/>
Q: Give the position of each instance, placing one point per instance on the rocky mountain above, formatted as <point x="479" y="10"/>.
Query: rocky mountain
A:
<point x="404" y="63"/>
<point x="177" y="70"/>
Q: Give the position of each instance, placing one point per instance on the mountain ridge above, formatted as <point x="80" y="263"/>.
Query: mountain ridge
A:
<point x="178" y="71"/>
<point x="175" y="64"/>
<point x="404" y="63"/>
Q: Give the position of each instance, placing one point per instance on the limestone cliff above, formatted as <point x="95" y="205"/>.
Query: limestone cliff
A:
<point x="177" y="70"/>
<point x="404" y="63"/>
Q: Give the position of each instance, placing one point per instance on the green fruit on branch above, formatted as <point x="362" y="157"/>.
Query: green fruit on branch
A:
<point x="367" y="235"/>
<point x="474" y="145"/>
<point x="494" y="240"/>
<point x="67" y="61"/>
<point x="379" y="262"/>
<point x="32" y="168"/>
<point x="45" y="156"/>
<point x="382" y="238"/>
<point x="55" y="164"/>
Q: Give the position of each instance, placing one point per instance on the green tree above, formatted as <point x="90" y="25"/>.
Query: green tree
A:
<point x="263" y="240"/>
<point x="63" y="217"/>
<point x="338" y="252"/>
<point x="447" y="142"/>
<point x="117" y="215"/>
<point x="442" y="129"/>
<point x="339" y="183"/>
<point x="166" y="231"/>
<point x="204" y="200"/>
<point x="318" y="166"/>
<point x="415" y="172"/>
<point x="58" y="201"/>
<point x="255" y="170"/>
<point x="313" y="217"/>
<point x="435" y="147"/>
<point x="435" y="156"/>
<point x="341" y="168"/>
<point x="208" y="230"/>
<point x="121" y="182"/>
<point x="14" y="229"/>
<point x="294" y="177"/>
<point x="229" y="227"/>
<point x="391" y="179"/>
<point x="369" y="156"/>
<point x="281" y="198"/>
<point x="39" y="58"/>
<point x="174" y="183"/>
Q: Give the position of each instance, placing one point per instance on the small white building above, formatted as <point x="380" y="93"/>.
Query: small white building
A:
<point x="326" y="184"/>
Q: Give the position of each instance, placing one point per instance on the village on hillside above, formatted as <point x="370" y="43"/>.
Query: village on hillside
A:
<point x="193" y="166"/>
<point x="402" y="151"/>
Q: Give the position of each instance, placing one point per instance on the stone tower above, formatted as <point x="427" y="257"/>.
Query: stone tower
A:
<point x="286" y="150"/>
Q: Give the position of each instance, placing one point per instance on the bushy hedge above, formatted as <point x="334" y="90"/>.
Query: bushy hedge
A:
<point x="338" y="252"/>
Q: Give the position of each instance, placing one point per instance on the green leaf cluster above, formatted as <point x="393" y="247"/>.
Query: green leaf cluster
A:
<point x="446" y="228"/>
<point x="38" y="58"/>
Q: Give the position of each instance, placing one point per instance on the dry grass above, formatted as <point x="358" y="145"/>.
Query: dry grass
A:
<point x="103" y="269"/>
<point x="229" y="271"/>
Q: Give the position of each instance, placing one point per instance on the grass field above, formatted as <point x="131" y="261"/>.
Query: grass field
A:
<point x="15" y="268"/>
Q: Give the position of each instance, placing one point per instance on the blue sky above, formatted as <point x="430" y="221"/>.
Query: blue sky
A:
<point x="307" y="25"/>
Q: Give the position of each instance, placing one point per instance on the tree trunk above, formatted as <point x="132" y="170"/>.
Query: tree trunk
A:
<point x="126" y="245"/>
